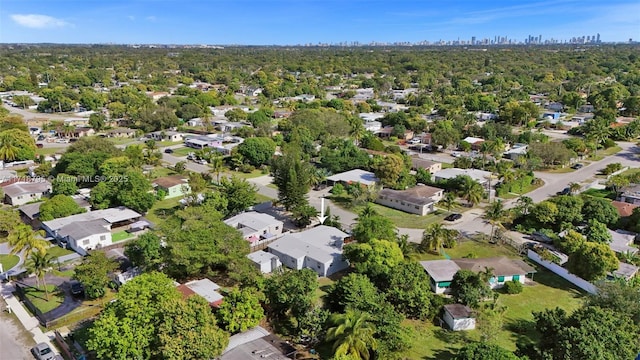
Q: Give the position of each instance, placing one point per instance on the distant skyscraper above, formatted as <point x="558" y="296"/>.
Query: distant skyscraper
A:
<point x="598" y="38"/>
<point x="473" y="40"/>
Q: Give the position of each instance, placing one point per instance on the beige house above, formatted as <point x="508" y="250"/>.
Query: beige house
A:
<point x="121" y="133"/>
<point x="419" y="163"/>
<point x="418" y="200"/>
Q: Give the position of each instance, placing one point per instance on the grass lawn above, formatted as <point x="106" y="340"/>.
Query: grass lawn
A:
<point x="88" y="310"/>
<point x="49" y="151"/>
<point x="630" y="172"/>
<point x="39" y="299"/>
<point x="57" y="251"/>
<point x="121" y="141"/>
<point x="8" y="261"/>
<point x="120" y="236"/>
<point x="254" y="174"/>
<point x="273" y="186"/>
<point x="160" y="171"/>
<point x="183" y="151"/>
<point x="604" y="153"/>
<point x="262" y="199"/>
<point x="548" y="291"/>
<point x="162" y="209"/>
<point x="323" y="287"/>
<point x="560" y="170"/>
<point x="526" y="189"/>
<point x="399" y="218"/>
<point x="168" y="143"/>
<point x="479" y="249"/>
<point x="601" y="193"/>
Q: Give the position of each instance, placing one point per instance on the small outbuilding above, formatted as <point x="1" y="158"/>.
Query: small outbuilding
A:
<point x="459" y="317"/>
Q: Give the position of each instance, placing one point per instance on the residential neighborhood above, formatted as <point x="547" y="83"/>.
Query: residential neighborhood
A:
<point x="331" y="203"/>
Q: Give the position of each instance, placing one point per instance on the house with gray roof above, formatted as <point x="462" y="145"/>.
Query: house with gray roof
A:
<point x="264" y="261"/>
<point x="22" y="192"/>
<point x="256" y="227"/>
<point x="621" y="241"/>
<point x="354" y="176"/>
<point x="82" y="236"/>
<point x="318" y="249"/>
<point x="503" y="269"/>
<point x="481" y="176"/>
<point x="419" y="200"/>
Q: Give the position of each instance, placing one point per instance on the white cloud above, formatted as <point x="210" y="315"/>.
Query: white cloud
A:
<point x="36" y="21"/>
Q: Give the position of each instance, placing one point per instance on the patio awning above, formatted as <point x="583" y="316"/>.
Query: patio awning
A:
<point x="253" y="239"/>
<point x="266" y="236"/>
<point x="140" y="224"/>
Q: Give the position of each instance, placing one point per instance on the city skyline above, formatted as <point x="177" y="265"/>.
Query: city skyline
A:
<point x="312" y="22"/>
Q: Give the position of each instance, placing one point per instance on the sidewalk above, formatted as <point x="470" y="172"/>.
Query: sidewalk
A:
<point x="29" y="322"/>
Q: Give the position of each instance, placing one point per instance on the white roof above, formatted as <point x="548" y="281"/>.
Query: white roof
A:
<point x="261" y="257"/>
<point x="113" y="215"/>
<point x="477" y="175"/>
<point x="245" y="337"/>
<point x="22" y="188"/>
<point x="205" y="288"/>
<point x="621" y="240"/>
<point x="320" y="243"/>
<point x="472" y="140"/>
<point x="440" y="270"/>
<point x="252" y="219"/>
<point x="355" y="175"/>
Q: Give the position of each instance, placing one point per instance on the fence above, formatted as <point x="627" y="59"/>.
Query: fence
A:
<point x="27" y="302"/>
<point x="563" y="273"/>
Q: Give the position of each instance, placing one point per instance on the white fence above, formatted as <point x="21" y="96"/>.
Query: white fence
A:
<point x="563" y="273"/>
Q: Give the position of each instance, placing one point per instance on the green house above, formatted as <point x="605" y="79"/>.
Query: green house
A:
<point x="173" y="186"/>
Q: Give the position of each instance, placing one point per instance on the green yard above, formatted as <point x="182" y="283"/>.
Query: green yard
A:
<point x="161" y="171"/>
<point x="183" y="151"/>
<point x="57" y="251"/>
<point x="162" y="209"/>
<point x="601" y="154"/>
<point x="8" y="261"/>
<point x="475" y="249"/>
<point x="120" y="236"/>
<point x="601" y="193"/>
<point x="39" y="298"/>
<point x="254" y="174"/>
<point x="262" y="199"/>
<point x="547" y="291"/>
<point x="49" y="151"/>
<point x="121" y="140"/>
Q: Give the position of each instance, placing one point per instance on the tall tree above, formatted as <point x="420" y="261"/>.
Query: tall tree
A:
<point x="94" y="273"/>
<point x="495" y="214"/>
<point x="240" y="194"/>
<point x="40" y="263"/>
<point x="291" y="176"/>
<point x="435" y="237"/>
<point x="240" y="310"/>
<point x="23" y="238"/>
<point x="371" y="225"/>
<point x="352" y="335"/>
<point x="592" y="261"/>
<point x="470" y="288"/>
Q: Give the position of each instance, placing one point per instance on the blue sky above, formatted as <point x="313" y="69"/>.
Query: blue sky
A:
<point x="264" y="22"/>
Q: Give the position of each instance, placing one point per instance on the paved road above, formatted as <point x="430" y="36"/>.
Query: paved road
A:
<point x="15" y="344"/>
<point x="32" y="115"/>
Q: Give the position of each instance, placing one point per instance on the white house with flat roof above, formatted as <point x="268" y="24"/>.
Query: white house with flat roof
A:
<point x="481" y="176"/>
<point x="256" y="227"/>
<point x="354" y="176"/>
<point x="82" y="236"/>
<point x="264" y="261"/>
<point x="458" y="317"/>
<point x="318" y="249"/>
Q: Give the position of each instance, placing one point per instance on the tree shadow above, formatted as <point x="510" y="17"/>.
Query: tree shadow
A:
<point x="165" y="213"/>
<point x="522" y="331"/>
<point x="545" y="277"/>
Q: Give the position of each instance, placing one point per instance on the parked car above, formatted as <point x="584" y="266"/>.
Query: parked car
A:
<point x="453" y="217"/>
<point x="202" y="162"/>
<point x="62" y="141"/>
<point x="577" y="166"/>
<point x="415" y="141"/>
<point x="77" y="289"/>
<point x="541" y="237"/>
<point x="39" y="145"/>
<point x="565" y="191"/>
<point x="43" y="351"/>
<point x="168" y="151"/>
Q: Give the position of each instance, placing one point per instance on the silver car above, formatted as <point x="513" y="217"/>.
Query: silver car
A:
<point x="42" y="351"/>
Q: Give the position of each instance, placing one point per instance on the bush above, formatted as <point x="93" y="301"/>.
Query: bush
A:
<point x="338" y="189"/>
<point x="246" y="168"/>
<point x="608" y="143"/>
<point x="512" y="287"/>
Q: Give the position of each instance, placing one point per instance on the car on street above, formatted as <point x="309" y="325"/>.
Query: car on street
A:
<point x="565" y="191"/>
<point x="577" y="166"/>
<point x="168" y="151"/>
<point x="43" y="351"/>
<point x="453" y="217"/>
<point x="202" y="162"/>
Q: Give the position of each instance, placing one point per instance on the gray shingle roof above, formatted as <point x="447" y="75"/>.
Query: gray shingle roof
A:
<point x="82" y="229"/>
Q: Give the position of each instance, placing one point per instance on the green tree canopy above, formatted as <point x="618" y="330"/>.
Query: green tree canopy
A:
<point x="375" y="258"/>
<point x="592" y="261"/>
<point x="145" y="251"/>
<point x="94" y="273"/>
<point x="59" y="206"/>
<point x="290" y="292"/>
<point x="240" y="311"/>
<point x="600" y="210"/>
<point x="240" y="194"/>
<point x="470" y="288"/>
<point x="371" y="225"/>
<point x="257" y="151"/>
<point x="484" y="351"/>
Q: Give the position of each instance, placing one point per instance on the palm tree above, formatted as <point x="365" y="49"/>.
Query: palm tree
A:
<point x="40" y="263"/>
<point x="357" y="130"/>
<point x="487" y="147"/>
<point x="471" y="191"/>
<point x="23" y="238"/>
<point x="574" y="187"/>
<point x="216" y="164"/>
<point x="435" y="237"/>
<point x="317" y="176"/>
<point x="524" y="204"/>
<point x="8" y="148"/>
<point x="448" y="200"/>
<point x="408" y="248"/>
<point x="630" y="257"/>
<point x="352" y="335"/>
<point x="495" y="214"/>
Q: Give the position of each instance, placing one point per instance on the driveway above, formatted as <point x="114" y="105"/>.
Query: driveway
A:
<point x="64" y="284"/>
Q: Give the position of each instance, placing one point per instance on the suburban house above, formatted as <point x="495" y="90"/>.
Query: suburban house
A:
<point x="625" y="271"/>
<point x="257" y="344"/>
<point x="388" y="130"/>
<point x="22" y="192"/>
<point x="516" y="151"/>
<point x="588" y="108"/>
<point x="230" y="126"/>
<point x="458" y="317"/>
<point x="173" y="185"/>
<point x="419" y="163"/>
<point x="195" y="122"/>
<point x="264" y="261"/>
<point x="624" y="209"/>
<point x="475" y="142"/>
<point x="204" y="288"/>
<point x="419" y="199"/>
<point x="7" y="175"/>
<point x="121" y="133"/>
<point x="255" y="227"/>
<point x="503" y="269"/>
<point x="353" y="176"/>
<point x="621" y="241"/>
<point x="555" y="106"/>
<point x="166" y="136"/>
<point x="201" y="142"/>
<point x="373" y="126"/>
<point x="318" y="249"/>
<point x="372" y="116"/>
<point x="631" y="194"/>
<point x="481" y="176"/>
<point x="82" y="236"/>
<point x="97" y="221"/>
<point x="76" y="133"/>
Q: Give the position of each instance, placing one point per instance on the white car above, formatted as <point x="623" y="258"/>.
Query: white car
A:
<point x="62" y="141"/>
<point x="415" y="141"/>
<point x="202" y="162"/>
